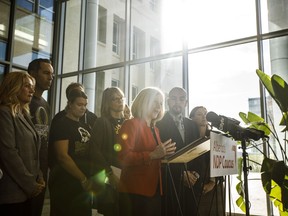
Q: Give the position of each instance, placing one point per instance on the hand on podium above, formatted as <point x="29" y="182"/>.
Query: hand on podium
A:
<point x="190" y="178"/>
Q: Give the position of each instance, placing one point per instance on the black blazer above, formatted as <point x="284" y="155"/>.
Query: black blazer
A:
<point x="169" y="130"/>
<point x="102" y="141"/>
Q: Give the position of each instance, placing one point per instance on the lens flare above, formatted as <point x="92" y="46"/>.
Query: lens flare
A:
<point x="117" y="147"/>
<point x="97" y="182"/>
<point x="124" y="136"/>
<point x="99" y="177"/>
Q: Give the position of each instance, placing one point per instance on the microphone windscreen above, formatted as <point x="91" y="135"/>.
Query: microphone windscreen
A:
<point x="212" y="117"/>
<point x="254" y="134"/>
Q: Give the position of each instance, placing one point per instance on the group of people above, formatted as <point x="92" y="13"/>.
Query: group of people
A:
<point x="111" y="163"/>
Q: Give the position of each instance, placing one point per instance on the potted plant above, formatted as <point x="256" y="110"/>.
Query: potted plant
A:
<point x="274" y="169"/>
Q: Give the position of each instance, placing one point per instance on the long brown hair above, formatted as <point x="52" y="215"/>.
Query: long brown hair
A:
<point x="107" y="98"/>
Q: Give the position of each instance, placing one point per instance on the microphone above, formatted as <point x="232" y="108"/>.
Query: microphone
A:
<point x="232" y="127"/>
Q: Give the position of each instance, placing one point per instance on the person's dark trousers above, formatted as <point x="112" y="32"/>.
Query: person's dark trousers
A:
<point x="138" y="205"/>
<point x="37" y="203"/>
<point x="15" y="209"/>
<point x="107" y="201"/>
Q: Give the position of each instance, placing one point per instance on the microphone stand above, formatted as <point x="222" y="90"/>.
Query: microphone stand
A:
<point x="245" y="172"/>
<point x="240" y="135"/>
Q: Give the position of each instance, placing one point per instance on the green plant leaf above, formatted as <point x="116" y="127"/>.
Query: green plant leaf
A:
<point x="254" y="121"/>
<point x="266" y="81"/>
<point x="254" y="117"/>
<point x="244" y="117"/>
<point x="284" y="118"/>
<point x="275" y="182"/>
<point x="284" y="121"/>
<point x="240" y="202"/>
<point x="281" y="93"/>
<point x="280" y="88"/>
<point x="240" y="189"/>
<point x="274" y="173"/>
<point x="283" y="213"/>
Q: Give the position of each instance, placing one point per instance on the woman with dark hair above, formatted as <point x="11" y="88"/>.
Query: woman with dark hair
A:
<point x="210" y="196"/>
<point x="22" y="179"/>
<point x="69" y="182"/>
<point x="140" y="156"/>
<point x="88" y="118"/>
<point x="198" y="115"/>
<point x="104" y="149"/>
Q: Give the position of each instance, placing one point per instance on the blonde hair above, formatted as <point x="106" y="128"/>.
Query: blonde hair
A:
<point x="143" y="103"/>
<point x="10" y="89"/>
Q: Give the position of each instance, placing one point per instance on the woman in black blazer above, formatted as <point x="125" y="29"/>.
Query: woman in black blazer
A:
<point x="19" y="145"/>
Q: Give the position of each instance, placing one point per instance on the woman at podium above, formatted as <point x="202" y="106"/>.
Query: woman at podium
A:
<point x="140" y="156"/>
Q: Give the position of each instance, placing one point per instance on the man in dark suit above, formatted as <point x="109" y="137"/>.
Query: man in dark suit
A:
<point x="178" y="198"/>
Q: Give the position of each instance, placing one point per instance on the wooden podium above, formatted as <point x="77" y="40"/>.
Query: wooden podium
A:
<point x="189" y="152"/>
<point x="178" y="163"/>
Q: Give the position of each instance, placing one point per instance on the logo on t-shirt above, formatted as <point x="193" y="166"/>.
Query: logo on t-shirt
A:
<point x="41" y="122"/>
<point x="81" y="147"/>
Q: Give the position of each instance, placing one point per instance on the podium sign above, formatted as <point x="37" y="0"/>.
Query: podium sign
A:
<point x="223" y="155"/>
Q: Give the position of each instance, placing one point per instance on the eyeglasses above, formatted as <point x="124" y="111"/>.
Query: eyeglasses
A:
<point x="119" y="99"/>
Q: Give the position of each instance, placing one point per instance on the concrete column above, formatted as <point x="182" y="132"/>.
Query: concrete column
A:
<point x="90" y="52"/>
<point x="277" y="17"/>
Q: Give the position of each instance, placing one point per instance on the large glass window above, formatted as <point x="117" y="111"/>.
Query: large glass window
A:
<point x="118" y="36"/>
<point x="102" y="24"/>
<point x="72" y="37"/>
<point x="221" y="78"/>
<point x="146" y="23"/>
<point x="93" y="41"/>
<point x="113" y="50"/>
<point x="46" y="9"/>
<point x="96" y="83"/>
<point x="4" y="27"/>
<point x="2" y="67"/>
<point x="62" y="96"/>
<point x="215" y="23"/>
<point x="274" y="15"/>
<point x="138" y="47"/>
<point x="28" y="5"/>
<point x="33" y="34"/>
<point x="154" y="50"/>
<point x="165" y="76"/>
